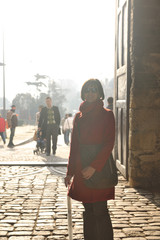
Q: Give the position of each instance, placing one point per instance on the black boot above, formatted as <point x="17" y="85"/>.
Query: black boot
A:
<point x="104" y="227"/>
<point x="97" y="222"/>
<point x="89" y="227"/>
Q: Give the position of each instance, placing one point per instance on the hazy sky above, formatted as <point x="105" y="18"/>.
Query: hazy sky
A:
<point x="65" y="39"/>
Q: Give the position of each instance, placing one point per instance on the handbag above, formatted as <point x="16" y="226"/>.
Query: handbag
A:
<point x="107" y="177"/>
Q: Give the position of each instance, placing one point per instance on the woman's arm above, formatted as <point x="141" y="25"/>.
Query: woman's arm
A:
<point x="108" y="144"/>
<point x="74" y="148"/>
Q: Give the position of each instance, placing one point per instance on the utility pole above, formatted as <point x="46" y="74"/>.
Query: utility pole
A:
<point x="4" y="95"/>
<point x="2" y="64"/>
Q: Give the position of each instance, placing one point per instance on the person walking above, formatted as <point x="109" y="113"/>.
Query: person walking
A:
<point x="68" y="125"/>
<point x="94" y="125"/>
<point x="63" y="121"/>
<point x="62" y="124"/>
<point x="38" y="114"/>
<point x="49" y="122"/>
<point x="12" y="122"/>
<point x="2" y="129"/>
<point x="110" y="103"/>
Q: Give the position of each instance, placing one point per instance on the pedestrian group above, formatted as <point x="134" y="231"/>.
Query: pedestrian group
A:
<point x="90" y="134"/>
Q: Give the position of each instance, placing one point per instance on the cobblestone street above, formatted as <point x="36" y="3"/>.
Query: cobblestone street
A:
<point x="33" y="200"/>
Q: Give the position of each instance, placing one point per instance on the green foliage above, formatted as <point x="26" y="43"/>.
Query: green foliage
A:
<point x="58" y="98"/>
<point x="27" y="105"/>
<point x="8" y="104"/>
<point x="20" y="122"/>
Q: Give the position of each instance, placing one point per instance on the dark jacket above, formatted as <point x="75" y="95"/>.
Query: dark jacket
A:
<point x="43" y="117"/>
<point x="14" y="120"/>
<point x="110" y="106"/>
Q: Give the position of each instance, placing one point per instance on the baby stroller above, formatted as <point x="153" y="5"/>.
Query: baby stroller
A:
<point x="41" y="143"/>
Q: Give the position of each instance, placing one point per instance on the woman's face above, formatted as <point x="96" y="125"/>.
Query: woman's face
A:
<point x="91" y="93"/>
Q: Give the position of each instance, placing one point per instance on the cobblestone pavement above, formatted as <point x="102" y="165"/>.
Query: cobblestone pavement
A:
<point x="33" y="200"/>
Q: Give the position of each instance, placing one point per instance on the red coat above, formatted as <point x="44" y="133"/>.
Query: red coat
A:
<point x="96" y="125"/>
<point x="2" y="125"/>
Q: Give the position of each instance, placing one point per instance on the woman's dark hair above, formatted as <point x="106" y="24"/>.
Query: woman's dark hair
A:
<point x="97" y="84"/>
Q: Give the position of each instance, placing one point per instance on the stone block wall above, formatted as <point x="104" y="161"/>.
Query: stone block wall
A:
<point x="144" y="109"/>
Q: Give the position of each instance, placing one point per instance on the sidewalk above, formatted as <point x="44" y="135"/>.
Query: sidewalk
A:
<point x="33" y="200"/>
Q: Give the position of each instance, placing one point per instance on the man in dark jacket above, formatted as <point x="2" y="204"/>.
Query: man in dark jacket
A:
<point x="49" y="122"/>
<point x="12" y="124"/>
<point x="110" y="103"/>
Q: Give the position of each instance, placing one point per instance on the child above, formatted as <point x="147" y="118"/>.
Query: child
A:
<point x="40" y="146"/>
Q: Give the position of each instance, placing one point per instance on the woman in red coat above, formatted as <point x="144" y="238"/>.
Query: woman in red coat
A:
<point x="92" y="125"/>
<point x="2" y="128"/>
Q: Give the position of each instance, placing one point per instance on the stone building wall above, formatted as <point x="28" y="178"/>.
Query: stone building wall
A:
<point x="144" y="109"/>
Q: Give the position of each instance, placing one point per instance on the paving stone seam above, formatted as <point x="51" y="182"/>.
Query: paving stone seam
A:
<point x="38" y="208"/>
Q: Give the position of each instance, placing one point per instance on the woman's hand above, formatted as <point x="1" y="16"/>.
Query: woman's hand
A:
<point x="67" y="180"/>
<point x="88" y="172"/>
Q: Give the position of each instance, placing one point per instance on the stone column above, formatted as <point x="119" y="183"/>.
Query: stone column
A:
<point x="144" y="109"/>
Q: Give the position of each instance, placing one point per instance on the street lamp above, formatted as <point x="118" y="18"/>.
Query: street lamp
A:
<point x="4" y="104"/>
<point x="4" y="98"/>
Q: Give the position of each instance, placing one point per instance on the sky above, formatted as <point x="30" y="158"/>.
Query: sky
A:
<point x="63" y="39"/>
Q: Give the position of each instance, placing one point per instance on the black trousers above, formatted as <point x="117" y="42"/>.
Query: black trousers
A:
<point x="12" y="132"/>
<point x="96" y="222"/>
<point x="51" y="132"/>
<point x="2" y="134"/>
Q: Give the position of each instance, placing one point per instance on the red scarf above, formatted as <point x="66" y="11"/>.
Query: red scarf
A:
<point x="92" y="108"/>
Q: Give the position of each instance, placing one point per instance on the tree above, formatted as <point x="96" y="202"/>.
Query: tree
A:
<point x="41" y="99"/>
<point x="26" y="107"/>
<point x="8" y="103"/>
<point x="108" y="87"/>
<point x="58" y="98"/>
<point x="71" y="90"/>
